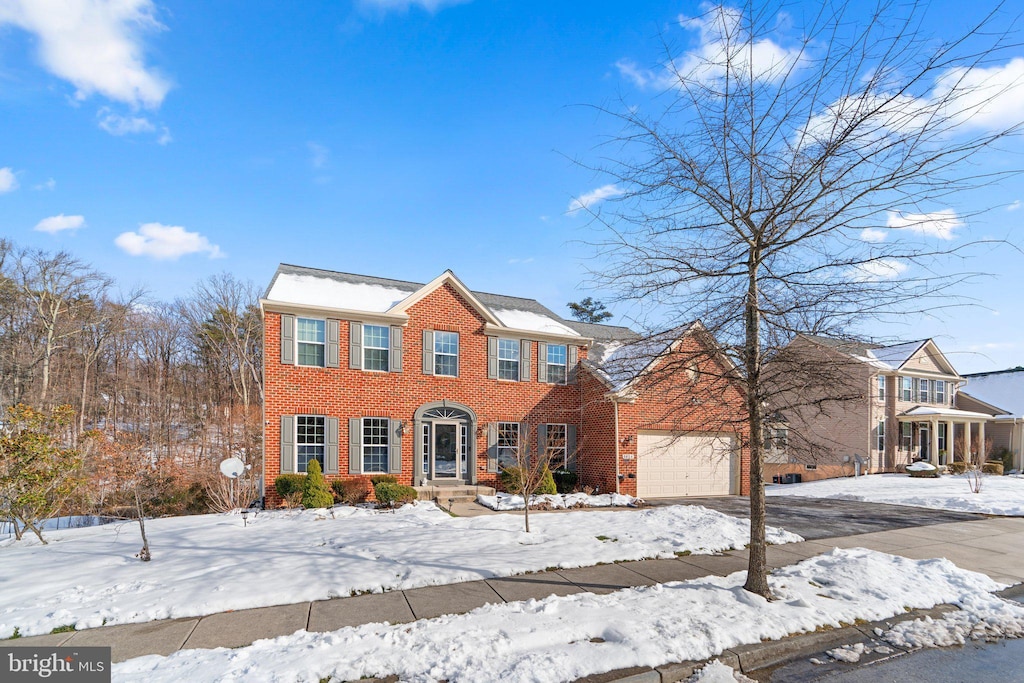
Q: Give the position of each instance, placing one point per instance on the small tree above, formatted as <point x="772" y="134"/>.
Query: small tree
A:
<point x="37" y="473"/>
<point x="315" y="492"/>
<point x="589" y="311"/>
<point x="531" y="474"/>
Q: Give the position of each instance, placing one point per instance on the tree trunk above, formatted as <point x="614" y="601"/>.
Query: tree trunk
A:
<point x="757" y="570"/>
<point x="144" y="554"/>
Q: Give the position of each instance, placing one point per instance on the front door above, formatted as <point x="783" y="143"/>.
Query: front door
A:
<point x="924" y="435"/>
<point x="446" y="450"/>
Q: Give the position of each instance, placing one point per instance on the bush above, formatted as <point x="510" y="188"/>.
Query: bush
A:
<point x="565" y="480"/>
<point x="992" y="467"/>
<point x="390" y="493"/>
<point x="1004" y="455"/>
<point x="957" y="467"/>
<point x="287" y="484"/>
<point x="924" y="474"/>
<point x="512" y="481"/>
<point x="383" y="479"/>
<point x="350" y="491"/>
<point x="315" y="492"/>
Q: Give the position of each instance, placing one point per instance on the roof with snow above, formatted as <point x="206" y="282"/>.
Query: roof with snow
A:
<point x="1004" y="389"/>
<point x="363" y="293"/>
<point x="618" y="361"/>
<point x="888" y="358"/>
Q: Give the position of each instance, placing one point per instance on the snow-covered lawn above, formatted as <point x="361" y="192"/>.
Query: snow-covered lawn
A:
<point x="564" y="638"/>
<point x="558" y="501"/>
<point x="1000" y="495"/>
<point x="212" y="563"/>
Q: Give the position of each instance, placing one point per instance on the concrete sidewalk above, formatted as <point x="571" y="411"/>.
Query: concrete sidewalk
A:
<point x="994" y="546"/>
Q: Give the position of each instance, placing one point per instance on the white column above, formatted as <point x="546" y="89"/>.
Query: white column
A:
<point x="981" y="442"/>
<point x="934" y="422"/>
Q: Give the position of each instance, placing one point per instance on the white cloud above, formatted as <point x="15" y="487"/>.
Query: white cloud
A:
<point x="594" y="197"/>
<point x="165" y="136"/>
<point x="1014" y="205"/>
<point x="873" y="235"/>
<point x="513" y="261"/>
<point x="319" y="155"/>
<point x="60" y="223"/>
<point x="96" y="45"/>
<point x="48" y="185"/>
<point x="940" y="224"/>
<point x="8" y="181"/>
<point x="403" y="5"/>
<point x="873" y="271"/>
<point x="166" y="242"/>
<point x="989" y="98"/>
<point x="722" y="38"/>
<point x="115" y="124"/>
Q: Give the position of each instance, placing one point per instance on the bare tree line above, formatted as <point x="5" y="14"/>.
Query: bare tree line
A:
<point x="178" y="381"/>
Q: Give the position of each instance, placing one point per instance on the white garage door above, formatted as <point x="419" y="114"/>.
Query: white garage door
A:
<point x="685" y="465"/>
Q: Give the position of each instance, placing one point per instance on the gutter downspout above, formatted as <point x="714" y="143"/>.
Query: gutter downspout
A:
<point x="615" y="407"/>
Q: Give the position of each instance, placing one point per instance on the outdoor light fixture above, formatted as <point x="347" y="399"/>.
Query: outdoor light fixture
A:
<point x="626" y="440"/>
<point x="245" y="517"/>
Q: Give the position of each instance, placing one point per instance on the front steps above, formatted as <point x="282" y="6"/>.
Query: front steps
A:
<point x="443" y="493"/>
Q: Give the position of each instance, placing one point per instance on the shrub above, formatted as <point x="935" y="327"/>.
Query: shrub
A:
<point x="957" y="467"/>
<point x="992" y="467"/>
<point x="1004" y="455"/>
<point x="390" y="493"/>
<point x="287" y="484"/>
<point x="565" y="480"/>
<point x="315" y="492"/>
<point x="923" y="474"/>
<point x="512" y="481"/>
<point x="350" y="491"/>
<point x="383" y="479"/>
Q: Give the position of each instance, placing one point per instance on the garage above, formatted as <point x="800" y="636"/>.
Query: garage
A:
<point x="670" y="464"/>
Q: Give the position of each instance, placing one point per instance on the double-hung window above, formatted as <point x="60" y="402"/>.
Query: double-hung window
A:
<point x="508" y="444"/>
<point x="922" y="391"/>
<point x="310" y="340"/>
<point x="555" y="445"/>
<point x="906" y="436"/>
<point x="446" y="353"/>
<point x="881" y="435"/>
<point x="881" y="387"/>
<point x="375" y="444"/>
<point x="508" y="359"/>
<point x="940" y="391"/>
<point x="906" y="389"/>
<point x="309" y="441"/>
<point x="557" y="362"/>
<point x="376" y="345"/>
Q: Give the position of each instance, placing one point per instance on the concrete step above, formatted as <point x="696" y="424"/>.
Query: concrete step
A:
<point x="456" y="494"/>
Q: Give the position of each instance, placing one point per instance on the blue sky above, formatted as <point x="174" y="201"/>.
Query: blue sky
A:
<point x="166" y="141"/>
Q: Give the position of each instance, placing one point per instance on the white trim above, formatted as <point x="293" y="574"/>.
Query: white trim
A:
<point x="295" y="438"/>
<point x="517" y="344"/>
<point x="548" y="365"/>
<point x="363" y="347"/>
<point x="269" y="305"/>
<point x="299" y="341"/>
<point x="363" y="445"/>
<point x="533" y="335"/>
<point x="458" y="349"/>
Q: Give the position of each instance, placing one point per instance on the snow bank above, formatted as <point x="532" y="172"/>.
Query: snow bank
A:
<point x="565" y="638"/>
<point x="1000" y="495"/>
<point x="212" y="563"/>
<point x="558" y="501"/>
<point x="921" y="466"/>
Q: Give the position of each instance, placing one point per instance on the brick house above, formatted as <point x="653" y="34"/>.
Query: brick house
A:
<point x="438" y="385"/>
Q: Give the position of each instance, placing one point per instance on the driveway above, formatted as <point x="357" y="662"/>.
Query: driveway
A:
<point x="815" y="518"/>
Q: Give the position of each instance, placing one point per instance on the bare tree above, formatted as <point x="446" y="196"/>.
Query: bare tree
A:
<point x="794" y="174"/>
<point x="533" y="450"/>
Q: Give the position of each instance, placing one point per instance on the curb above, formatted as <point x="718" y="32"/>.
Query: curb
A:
<point x="774" y="653"/>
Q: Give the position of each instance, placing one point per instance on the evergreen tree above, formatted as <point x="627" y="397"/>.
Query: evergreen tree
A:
<point x="315" y="492"/>
<point x="589" y="311"/>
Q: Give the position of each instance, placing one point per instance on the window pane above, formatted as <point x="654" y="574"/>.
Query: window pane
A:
<point x="311" y="354"/>
<point x="375" y="336"/>
<point x="375" y="444"/>
<point x="310" y="330"/>
<point x="375" y="359"/>
<point x="309" y="439"/>
<point x="556" y="354"/>
<point x="508" y="369"/>
<point x="508" y="444"/>
<point x="508" y="349"/>
<point x="446" y="342"/>
<point x="556" y="374"/>
<point x="555" y="444"/>
<point x="446" y="365"/>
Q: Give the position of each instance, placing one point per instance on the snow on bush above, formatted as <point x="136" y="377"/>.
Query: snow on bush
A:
<point x="921" y="466"/>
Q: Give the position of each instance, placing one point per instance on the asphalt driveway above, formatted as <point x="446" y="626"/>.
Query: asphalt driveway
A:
<point x="815" y="518"/>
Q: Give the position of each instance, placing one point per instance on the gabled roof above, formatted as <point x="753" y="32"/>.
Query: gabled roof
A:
<point x="889" y="358"/>
<point x="349" y="292"/>
<point x="1003" y="389"/>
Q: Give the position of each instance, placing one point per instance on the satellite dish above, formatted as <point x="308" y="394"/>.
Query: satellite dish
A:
<point x="232" y="468"/>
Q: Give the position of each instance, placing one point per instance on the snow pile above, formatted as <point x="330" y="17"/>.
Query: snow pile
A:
<point x="717" y="672"/>
<point x="1000" y="495"/>
<point x="325" y="291"/>
<point x="213" y="563"/>
<point x="558" y="501"/>
<point x="982" y="617"/>
<point x="921" y="466"/>
<point x="535" y="322"/>
<point x="851" y="654"/>
<point x="565" y="638"/>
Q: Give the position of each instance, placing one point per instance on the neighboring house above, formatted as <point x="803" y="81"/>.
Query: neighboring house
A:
<point x="439" y="385"/>
<point x="900" y="403"/>
<point x="1000" y="394"/>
